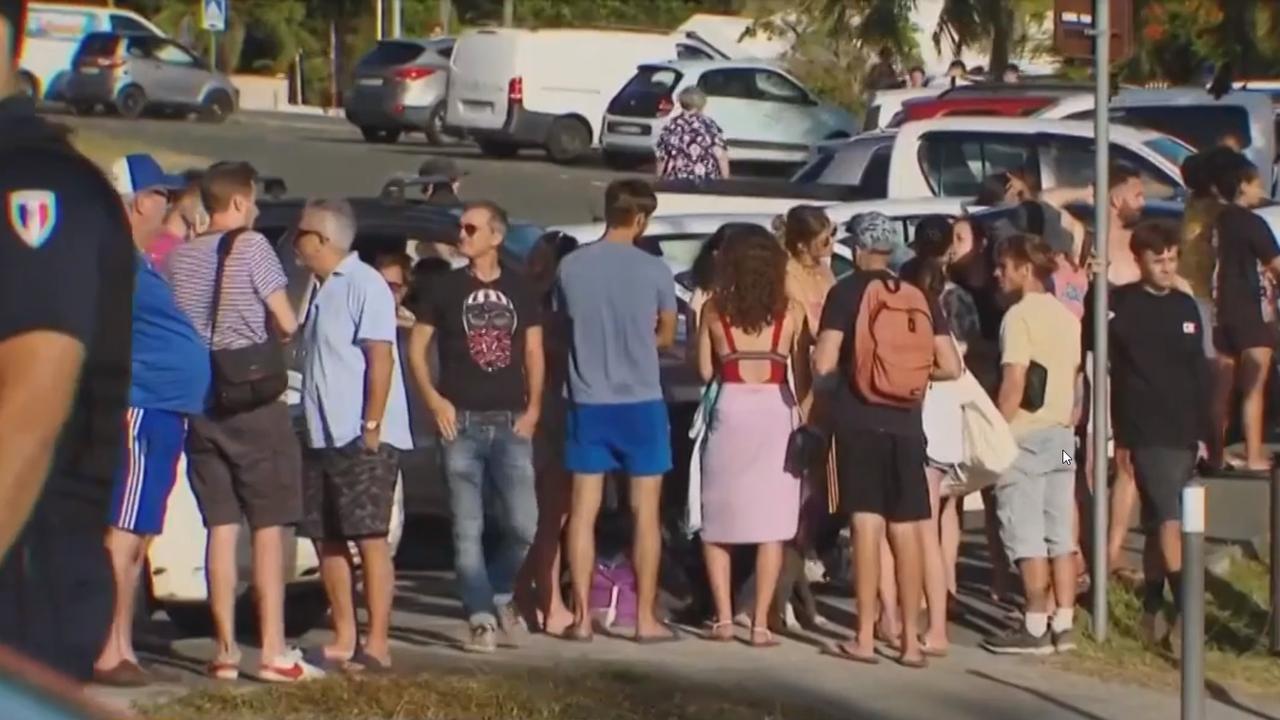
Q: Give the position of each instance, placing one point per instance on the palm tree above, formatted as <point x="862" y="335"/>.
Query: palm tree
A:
<point x="994" y="23"/>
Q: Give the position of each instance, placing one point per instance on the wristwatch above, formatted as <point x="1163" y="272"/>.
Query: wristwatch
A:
<point x="371" y="425"/>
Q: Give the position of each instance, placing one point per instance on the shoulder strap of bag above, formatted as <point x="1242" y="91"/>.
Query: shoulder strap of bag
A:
<point x="225" y="245"/>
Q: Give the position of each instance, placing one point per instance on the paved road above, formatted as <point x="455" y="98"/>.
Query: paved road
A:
<point x="326" y="156"/>
<point x="970" y="684"/>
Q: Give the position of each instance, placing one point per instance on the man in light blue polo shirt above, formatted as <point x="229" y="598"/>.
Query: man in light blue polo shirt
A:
<point x="357" y="423"/>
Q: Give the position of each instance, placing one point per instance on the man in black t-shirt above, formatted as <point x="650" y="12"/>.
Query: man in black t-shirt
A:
<point x="1245" y="291"/>
<point x="488" y="327"/>
<point x="880" y="450"/>
<point x="66" y="298"/>
<point x="1159" y="400"/>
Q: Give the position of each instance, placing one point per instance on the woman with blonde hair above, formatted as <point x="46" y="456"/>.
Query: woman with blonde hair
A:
<point x="745" y="340"/>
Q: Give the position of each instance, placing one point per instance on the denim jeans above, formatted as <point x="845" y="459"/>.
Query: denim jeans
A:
<point x="487" y="447"/>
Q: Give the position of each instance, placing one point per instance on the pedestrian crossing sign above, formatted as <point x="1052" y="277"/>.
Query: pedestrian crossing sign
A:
<point x="213" y="15"/>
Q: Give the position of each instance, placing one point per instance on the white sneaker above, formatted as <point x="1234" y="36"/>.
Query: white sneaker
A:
<point x="289" y="667"/>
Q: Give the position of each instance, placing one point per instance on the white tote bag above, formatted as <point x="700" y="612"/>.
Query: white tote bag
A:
<point x="989" y="446"/>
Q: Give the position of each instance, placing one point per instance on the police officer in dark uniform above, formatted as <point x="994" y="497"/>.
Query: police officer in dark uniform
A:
<point x="66" y="287"/>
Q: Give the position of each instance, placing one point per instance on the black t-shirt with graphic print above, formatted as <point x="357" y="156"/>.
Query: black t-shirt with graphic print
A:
<point x="480" y="331"/>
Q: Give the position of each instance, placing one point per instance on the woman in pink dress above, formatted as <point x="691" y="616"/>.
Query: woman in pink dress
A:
<point x="744" y="340"/>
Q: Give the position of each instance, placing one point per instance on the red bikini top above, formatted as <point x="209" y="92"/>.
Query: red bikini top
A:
<point x="730" y="363"/>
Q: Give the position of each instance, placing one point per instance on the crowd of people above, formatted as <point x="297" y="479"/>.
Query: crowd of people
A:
<point x="878" y="402"/>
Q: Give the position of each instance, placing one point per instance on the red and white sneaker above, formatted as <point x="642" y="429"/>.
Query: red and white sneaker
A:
<point x="289" y="667"/>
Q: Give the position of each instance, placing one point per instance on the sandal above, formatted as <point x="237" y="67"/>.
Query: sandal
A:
<point x="715" y="635"/>
<point x="226" y="670"/>
<point x="841" y="651"/>
<point x="769" y="640"/>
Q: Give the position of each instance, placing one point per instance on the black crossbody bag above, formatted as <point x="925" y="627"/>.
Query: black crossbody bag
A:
<point x="244" y="378"/>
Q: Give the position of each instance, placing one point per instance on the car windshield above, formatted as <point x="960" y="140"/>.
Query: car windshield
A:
<point x="1170" y="149"/>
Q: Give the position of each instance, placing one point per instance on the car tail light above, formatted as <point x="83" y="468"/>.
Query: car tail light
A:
<point x="665" y="106"/>
<point x="414" y="73"/>
<point x="515" y="90"/>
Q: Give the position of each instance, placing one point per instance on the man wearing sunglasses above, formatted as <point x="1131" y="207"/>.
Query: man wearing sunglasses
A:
<point x="66" y="276"/>
<point x="486" y="406"/>
<point x="168" y="383"/>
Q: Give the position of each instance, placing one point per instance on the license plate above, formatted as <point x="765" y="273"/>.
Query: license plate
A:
<point x="629" y="129"/>
<point x="90" y="70"/>
<point x="369" y="81"/>
<point x="481" y="107"/>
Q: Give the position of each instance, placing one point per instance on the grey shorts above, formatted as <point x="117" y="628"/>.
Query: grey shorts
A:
<point x="1035" y="498"/>
<point x="246" y="465"/>
<point x="348" y="493"/>
<point x="1161" y="474"/>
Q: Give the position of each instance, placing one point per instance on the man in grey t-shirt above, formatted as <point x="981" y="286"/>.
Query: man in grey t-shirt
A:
<point x="621" y="306"/>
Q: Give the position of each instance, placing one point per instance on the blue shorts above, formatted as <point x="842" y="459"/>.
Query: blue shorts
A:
<point x="153" y="451"/>
<point x="632" y="437"/>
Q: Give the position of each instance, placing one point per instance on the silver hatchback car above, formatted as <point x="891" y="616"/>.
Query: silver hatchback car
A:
<point x="137" y="74"/>
<point x="399" y="87"/>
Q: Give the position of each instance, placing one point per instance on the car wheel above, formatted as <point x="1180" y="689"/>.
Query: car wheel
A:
<point x="83" y="109"/>
<point x="216" y="108"/>
<point x="28" y="86"/>
<point x="382" y="137"/>
<point x="131" y="102"/>
<point x="498" y="149"/>
<point x="568" y="140"/>
<point x="435" y="125"/>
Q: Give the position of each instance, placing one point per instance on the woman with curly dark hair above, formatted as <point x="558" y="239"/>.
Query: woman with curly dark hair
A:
<point x="744" y="340"/>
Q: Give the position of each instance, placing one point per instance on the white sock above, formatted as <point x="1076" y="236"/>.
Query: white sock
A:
<point x="1064" y="619"/>
<point x="1037" y="623"/>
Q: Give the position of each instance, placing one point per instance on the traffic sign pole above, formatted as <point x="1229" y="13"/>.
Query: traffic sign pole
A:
<point x="1101" y="397"/>
<point x="213" y="18"/>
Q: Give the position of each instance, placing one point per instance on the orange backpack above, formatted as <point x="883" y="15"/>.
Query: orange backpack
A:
<point x="893" y="344"/>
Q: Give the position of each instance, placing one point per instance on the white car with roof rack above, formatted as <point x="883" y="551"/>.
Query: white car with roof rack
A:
<point x="943" y="157"/>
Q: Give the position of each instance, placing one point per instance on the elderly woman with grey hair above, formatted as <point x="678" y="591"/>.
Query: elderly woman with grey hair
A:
<point x="692" y="145"/>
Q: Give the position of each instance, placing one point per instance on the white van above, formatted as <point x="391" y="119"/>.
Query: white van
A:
<point x="513" y="88"/>
<point x="53" y="34"/>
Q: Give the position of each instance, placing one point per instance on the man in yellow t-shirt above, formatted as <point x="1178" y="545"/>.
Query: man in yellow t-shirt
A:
<point x="1035" y="499"/>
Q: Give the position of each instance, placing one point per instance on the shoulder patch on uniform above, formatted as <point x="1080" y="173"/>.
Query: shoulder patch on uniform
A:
<point x="33" y="215"/>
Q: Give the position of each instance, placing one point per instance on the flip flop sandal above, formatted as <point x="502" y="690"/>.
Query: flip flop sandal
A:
<point x="715" y="636"/>
<point x="839" y="652"/>
<point x="674" y="637"/>
<point x="576" y="634"/>
<point x="769" y="640"/>
<point x="224" y="670"/>
<point x="917" y="664"/>
<point x="928" y="651"/>
<point x="363" y="663"/>
<point x="315" y="657"/>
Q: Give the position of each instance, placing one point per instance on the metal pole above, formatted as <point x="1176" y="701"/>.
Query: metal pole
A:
<point x="1101" y="396"/>
<point x="397" y="18"/>
<point x="1275" y="554"/>
<point x="446" y="15"/>
<point x="378" y="22"/>
<point x="1193" y="703"/>
<point x="213" y="50"/>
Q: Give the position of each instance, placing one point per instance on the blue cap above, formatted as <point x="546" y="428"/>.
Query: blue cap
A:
<point x="140" y="172"/>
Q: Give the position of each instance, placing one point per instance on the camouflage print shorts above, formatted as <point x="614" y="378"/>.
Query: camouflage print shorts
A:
<point x="348" y="492"/>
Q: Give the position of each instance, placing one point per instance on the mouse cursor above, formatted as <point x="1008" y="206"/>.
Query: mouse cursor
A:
<point x="1066" y="459"/>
